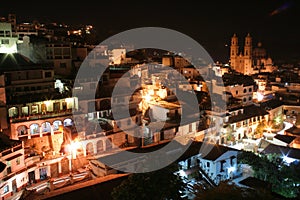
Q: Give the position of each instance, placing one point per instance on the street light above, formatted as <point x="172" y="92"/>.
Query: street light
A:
<point x="73" y="147"/>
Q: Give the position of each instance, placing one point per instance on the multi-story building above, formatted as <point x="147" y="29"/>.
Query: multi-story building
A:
<point x="22" y="81"/>
<point x="251" y="60"/>
<point x="8" y="39"/>
<point x="13" y="174"/>
<point x="60" y="55"/>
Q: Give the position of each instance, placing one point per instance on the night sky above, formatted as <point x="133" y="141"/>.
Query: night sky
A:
<point x="273" y="22"/>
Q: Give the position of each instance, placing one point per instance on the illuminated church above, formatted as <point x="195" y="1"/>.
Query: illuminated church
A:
<point x="251" y="60"/>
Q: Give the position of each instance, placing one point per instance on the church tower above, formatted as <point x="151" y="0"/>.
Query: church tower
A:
<point x="234" y="51"/>
<point x="248" y="55"/>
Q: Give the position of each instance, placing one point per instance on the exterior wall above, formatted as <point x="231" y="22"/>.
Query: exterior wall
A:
<point x="245" y="93"/>
<point x="246" y="127"/>
<point x="14" y="176"/>
<point x="116" y="56"/>
<point x="8" y="41"/>
<point x="61" y="56"/>
<point x="213" y="169"/>
<point x="27" y="125"/>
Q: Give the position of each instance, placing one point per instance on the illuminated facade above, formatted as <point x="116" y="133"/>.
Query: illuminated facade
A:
<point x="251" y="60"/>
<point x="8" y="39"/>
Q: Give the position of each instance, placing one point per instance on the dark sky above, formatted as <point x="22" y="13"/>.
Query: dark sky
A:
<point x="273" y="22"/>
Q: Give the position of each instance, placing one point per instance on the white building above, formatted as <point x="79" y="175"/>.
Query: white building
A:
<point x="8" y="41"/>
<point x="13" y="174"/>
<point x="220" y="163"/>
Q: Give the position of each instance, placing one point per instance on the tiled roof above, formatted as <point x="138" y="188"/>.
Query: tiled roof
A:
<point x="249" y="112"/>
<point x="285" y="138"/>
<point x="215" y="151"/>
<point x="281" y="150"/>
<point x="16" y="62"/>
<point x="6" y="143"/>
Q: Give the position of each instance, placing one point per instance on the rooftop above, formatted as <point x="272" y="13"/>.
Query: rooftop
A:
<point x="249" y="112"/>
<point x="16" y="62"/>
<point x="281" y="150"/>
<point x="285" y="138"/>
<point x="216" y="151"/>
<point x="6" y="143"/>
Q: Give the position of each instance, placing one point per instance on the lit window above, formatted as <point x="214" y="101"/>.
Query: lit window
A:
<point x="18" y="161"/>
<point x="6" y="189"/>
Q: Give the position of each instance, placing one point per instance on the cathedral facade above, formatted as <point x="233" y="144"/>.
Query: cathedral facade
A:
<point x="250" y="60"/>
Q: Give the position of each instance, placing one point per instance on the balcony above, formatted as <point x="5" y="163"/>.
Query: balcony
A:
<point x="41" y="116"/>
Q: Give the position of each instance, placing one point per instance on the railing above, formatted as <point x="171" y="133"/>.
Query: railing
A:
<point x="41" y="116"/>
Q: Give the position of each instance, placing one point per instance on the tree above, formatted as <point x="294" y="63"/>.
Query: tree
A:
<point x="271" y="168"/>
<point x="230" y="191"/>
<point x="161" y="184"/>
<point x="260" y="129"/>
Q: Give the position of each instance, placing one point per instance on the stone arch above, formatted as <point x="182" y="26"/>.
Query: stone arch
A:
<point x="108" y="144"/>
<point x="34" y="128"/>
<point x="46" y="127"/>
<point x="22" y="130"/>
<point x="68" y="122"/>
<point x="100" y="146"/>
<point x="56" y="124"/>
<point x="89" y="149"/>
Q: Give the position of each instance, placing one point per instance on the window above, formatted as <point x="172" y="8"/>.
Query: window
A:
<point x="190" y="127"/>
<point x="245" y="90"/>
<point x="63" y="65"/>
<point x="5" y="41"/>
<point x="207" y="164"/>
<point x="223" y="162"/>
<point x="244" y="99"/>
<point x="250" y="89"/>
<point x="236" y="92"/>
<point x="48" y="74"/>
<point x="6" y="189"/>
<point x="8" y="169"/>
<point x="7" y="33"/>
<point x="18" y="161"/>
<point x="250" y="98"/>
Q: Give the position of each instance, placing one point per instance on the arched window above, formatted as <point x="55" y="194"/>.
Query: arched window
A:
<point x="89" y="149"/>
<point x="22" y="130"/>
<point x="34" y="129"/>
<point x="46" y="127"/>
<point x="108" y="143"/>
<point x="56" y="125"/>
<point x="99" y="146"/>
<point x="68" y="122"/>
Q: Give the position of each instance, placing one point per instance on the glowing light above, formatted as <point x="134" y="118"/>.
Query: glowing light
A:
<point x="231" y="169"/>
<point x="182" y="173"/>
<point x="69" y="100"/>
<point x="47" y="103"/>
<point x="269" y="129"/>
<point x="277" y="120"/>
<point x="260" y="96"/>
<point x="8" y="50"/>
<point x="73" y="147"/>
<point x="147" y="97"/>
<point x="288" y="160"/>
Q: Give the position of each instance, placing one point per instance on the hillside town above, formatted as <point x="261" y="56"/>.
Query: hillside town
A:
<point x="54" y="135"/>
